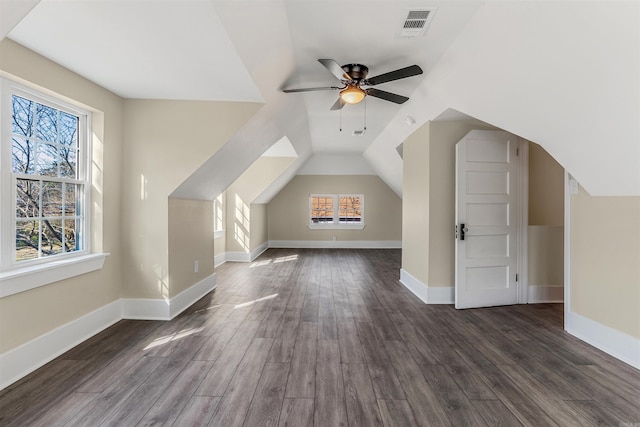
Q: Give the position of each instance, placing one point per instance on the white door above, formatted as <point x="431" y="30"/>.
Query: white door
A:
<point x="486" y="212"/>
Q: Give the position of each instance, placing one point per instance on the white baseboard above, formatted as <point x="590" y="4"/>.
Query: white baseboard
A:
<point x="186" y="298"/>
<point x="220" y="259"/>
<point x="160" y="309"/>
<point x="145" y="309"/>
<point x="259" y="250"/>
<point x="428" y="295"/>
<point x="545" y="294"/>
<point x="22" y="360"/>
<point x="418" y="288"/>
<point x="611" y="341"/>
<point x="236" y="256"/>
<point x="340" y="244"/>
<point x="441" y="295"/>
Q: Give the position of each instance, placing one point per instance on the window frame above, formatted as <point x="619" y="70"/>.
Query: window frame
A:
<point x="20" y="275"/>
<point x="335" y="224"/>
<point x="219" y="203"/>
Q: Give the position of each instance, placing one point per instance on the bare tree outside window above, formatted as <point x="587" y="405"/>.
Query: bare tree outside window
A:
<point x="327" y="209"/>
<point x="45" y="149"/>
<point x="321" y="209"/>
<point x="350" y="209"/>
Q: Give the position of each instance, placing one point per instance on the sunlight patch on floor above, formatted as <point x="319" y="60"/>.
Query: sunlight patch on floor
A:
<point x="173" y="337"/>
<point x="285" y="259"/>
<point x="260" y="263"/>
<point x="274" y="261"/>
<point x="209" y="308"/>
<point x="248" y="303"/>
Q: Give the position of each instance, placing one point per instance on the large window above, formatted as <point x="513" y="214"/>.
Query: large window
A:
<point x="336" y="210"/>
<point x="45" y="180"/>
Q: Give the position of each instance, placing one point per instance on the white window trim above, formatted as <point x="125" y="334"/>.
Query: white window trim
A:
<point x="23" y="279"/>
<point x="220" y="200"/>
<point x="336" y="225"/>
<point x="19" y="277"/>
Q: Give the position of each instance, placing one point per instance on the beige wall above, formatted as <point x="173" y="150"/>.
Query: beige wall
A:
<point x="29" y="314"/>
<point x="428" y="198"/>
<point x="546" y="218"/>
<point x="259" y="176"/>
<point x="190" y="239"/>
<point x="238" y="223"/>
<point x="415" y="204"/>
<point x="259" y="226"/>
<point x="240" y="216"/>
<point x="605" y="260"/>
<point x="288" y="212"/>
<point x="545" y="246"/>
<point x="165" y="141"/>
<point x="546" y="188"/>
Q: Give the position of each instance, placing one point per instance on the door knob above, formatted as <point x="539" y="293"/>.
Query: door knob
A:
<point x="463" y="230"/>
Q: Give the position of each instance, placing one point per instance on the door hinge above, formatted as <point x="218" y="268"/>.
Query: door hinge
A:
<point x="516" y="277"/>
<point x="517" y="151"/>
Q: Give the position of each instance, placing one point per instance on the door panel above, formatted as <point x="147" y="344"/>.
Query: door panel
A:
<point x="487" y="182"/>
<point x="486" y="260"/>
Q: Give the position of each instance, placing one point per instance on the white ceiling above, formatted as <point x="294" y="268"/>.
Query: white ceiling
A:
<point x="327" y="30"/>
<point x="249" y="50"/>
<point x="246" y="51"/>
<point x="141" y="49"/>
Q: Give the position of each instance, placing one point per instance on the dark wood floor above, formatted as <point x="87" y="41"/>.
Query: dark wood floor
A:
<point x="329" y="338"/>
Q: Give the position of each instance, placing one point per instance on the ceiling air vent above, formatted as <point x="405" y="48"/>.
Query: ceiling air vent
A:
<point x="416" y="23"/>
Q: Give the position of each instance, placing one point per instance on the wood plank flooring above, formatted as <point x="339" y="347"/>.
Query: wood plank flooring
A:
<point x="329" y="338"/>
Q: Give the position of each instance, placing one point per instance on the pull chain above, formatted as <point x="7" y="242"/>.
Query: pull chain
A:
<point x="341" y="120"/>
<point x="365" y="115"/>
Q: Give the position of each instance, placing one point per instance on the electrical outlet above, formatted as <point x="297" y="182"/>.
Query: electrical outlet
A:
<point x="195" y="266"/>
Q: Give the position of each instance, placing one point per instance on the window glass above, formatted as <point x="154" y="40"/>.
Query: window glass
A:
<point x="322" y="209"/>
<point x="48" y="189"/>
<point x="218" y="213"/>
<point x="350" y="209"/>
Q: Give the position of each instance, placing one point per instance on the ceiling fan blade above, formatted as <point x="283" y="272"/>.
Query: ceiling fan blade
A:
<point x="338" y="105"/>
<point x="311" y="89"/>
<point x="335" y="69"/>
<point x="402" y="73"/>
<point x="387" y="96"/>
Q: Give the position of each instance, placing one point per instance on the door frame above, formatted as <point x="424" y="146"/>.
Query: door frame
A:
<point x="522" y="213"/>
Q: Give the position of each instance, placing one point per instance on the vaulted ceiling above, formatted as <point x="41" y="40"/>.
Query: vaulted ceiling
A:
<point x="562" y="74"/>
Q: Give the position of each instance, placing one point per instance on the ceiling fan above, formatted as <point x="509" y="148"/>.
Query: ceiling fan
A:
<point x="354" y="76"/>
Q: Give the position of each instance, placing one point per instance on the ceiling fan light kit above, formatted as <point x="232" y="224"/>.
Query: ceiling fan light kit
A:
<point x="354" y="76"/>
<point x="352" y="94"/>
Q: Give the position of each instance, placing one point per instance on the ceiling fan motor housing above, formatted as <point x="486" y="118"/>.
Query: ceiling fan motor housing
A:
<point x="357" y="72"/>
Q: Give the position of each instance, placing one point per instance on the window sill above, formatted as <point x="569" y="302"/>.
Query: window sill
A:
<point x="337" y="226"/>
<point x="218" y="234"/>
<point x="26" y="278"/>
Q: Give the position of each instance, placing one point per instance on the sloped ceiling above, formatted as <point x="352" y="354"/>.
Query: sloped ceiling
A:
<point x="562" y="74"/>
<point x="565" y="75"/>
